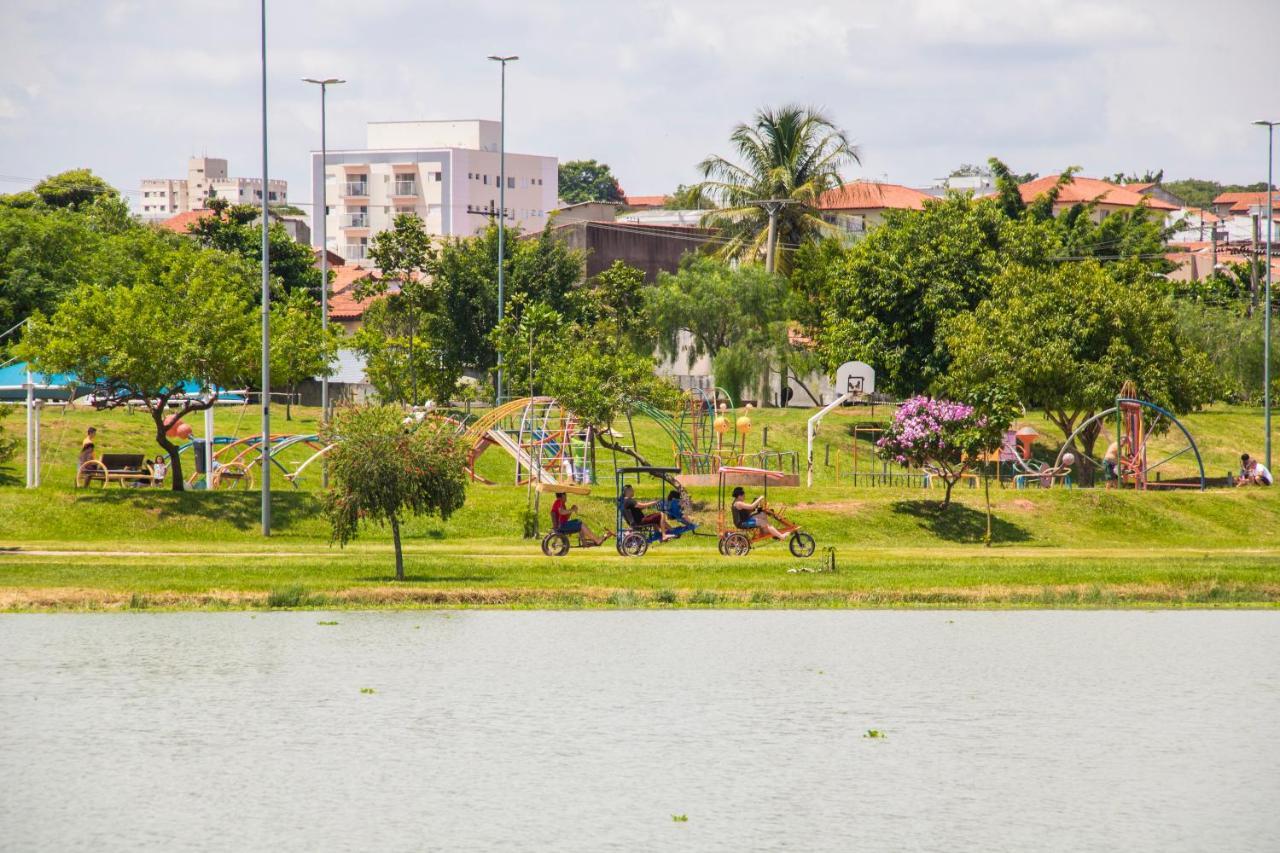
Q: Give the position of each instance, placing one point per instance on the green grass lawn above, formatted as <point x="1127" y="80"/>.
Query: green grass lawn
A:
<point x="63" y="548"/>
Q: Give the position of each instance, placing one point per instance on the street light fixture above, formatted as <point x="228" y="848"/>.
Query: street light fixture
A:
<point x="1266" y="321"/>
<point x="265" y="463"/>
<point x="502" y="198"/>
<point x="323" y="217"/>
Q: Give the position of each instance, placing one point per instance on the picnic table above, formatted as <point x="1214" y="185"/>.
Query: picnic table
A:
<point x="119" y="468"/>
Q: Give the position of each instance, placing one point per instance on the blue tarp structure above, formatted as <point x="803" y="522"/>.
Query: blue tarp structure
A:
<point x="56" y="386"/>
<point x="62" y="386"/>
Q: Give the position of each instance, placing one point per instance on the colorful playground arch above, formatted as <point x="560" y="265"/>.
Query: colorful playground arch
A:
<point x="548" y="442"/>
<point x="1141" y="431"/>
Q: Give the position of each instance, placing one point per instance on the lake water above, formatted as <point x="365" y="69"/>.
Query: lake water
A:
<point x="590" y="730"/>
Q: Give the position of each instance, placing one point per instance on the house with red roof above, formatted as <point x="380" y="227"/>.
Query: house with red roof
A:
<point x="1108" y="197"/>
<point x="855" y="207"/>
<point x="1244" y="203"/>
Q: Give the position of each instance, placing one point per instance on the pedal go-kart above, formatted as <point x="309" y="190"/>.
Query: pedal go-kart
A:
<point x="737" y="540"/>
<point x="557" y="543"/>
<point x="633" y="536"/>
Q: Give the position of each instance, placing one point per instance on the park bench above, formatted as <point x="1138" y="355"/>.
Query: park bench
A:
<point x="119" y="468"/>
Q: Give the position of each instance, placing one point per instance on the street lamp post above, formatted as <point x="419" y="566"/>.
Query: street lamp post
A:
<point x="502" y="197"/>
<point x="1266" y="316"/>
<point x="265" y="464"/>
<point x="322" y="216"/>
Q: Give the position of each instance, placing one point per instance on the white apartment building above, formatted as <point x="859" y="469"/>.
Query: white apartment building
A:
<point x="206" y="178"/>
<point x="445" y="171"/>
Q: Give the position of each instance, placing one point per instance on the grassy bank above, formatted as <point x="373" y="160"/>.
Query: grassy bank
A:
<point x="132" y="548"/>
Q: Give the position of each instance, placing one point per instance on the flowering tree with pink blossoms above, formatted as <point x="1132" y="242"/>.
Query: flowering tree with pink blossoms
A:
<point x="940" y="436"/>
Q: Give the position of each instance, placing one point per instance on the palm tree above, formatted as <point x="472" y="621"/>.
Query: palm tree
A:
<point x="790" y="153"/>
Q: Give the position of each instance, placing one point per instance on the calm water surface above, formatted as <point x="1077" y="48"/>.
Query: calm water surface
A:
<point x="588" y="731"/>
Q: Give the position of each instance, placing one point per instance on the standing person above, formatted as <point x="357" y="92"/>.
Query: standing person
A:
<point x="749" y="515"/>
<point x="563" y="521"/>
<point x="1253" y="472"/>
<point x="87" y="447"/>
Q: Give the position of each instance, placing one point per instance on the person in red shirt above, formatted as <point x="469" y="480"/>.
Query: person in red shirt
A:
<point x="563" y="521"/>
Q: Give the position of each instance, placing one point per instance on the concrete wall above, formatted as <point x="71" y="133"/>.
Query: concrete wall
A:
<point x="652" y="250"/>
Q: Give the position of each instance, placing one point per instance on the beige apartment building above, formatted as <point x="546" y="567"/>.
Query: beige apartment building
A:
<point x="447" y="172"/>
<point x="206" y="178"/>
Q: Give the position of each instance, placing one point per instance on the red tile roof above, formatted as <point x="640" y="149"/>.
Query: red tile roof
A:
<point x="343" y="304"/>
<point x="1241" y="202"/>
<point x="1139" y="187"/>
<point x="645" y="200"/>
<point x="1083" y="190"/>
<point x="182" y="222"/>
<point x="870" y="195"/>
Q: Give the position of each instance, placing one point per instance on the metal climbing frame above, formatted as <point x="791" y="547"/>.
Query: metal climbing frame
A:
<point x="1141" y="431"/>
<point x="548" y="442"/>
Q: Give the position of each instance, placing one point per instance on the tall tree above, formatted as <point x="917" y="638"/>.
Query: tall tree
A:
<point x="737" y="317"/>
<point x="234" y="228"/>
<point x="587" y="180"/>
<point x="1066" y="337"/>
<point x="301" y="349"/>
<point x="404" y="254"/>
<point x="789" y="153"/>
<point x="73" y="188"/>
<point x="184" y="328"/>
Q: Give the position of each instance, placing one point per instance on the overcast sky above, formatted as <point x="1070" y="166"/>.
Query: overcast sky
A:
<point x="130" y="88"/>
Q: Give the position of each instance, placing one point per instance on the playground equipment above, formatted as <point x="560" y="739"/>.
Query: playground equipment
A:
<point x="632" y="539"/>
<point x="547" y="441"/>
<point x="699" y="415"/>
<point x="737" y="541"/>
<point x="1138" y="427"/>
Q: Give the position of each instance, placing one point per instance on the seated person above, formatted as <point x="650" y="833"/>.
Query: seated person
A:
<point x="563" y="521"/>
<point x="1253" y="472"/>
<point x="1111" y="459"/>
<point x="633" y="512"/>
<point x="674" y="510"/>
<point x="748" y="515"/>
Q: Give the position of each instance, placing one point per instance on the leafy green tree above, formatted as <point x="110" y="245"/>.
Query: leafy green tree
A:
<point x="43" y="253"/>
<point x="737" y="317"/>
<point x="382" y="473"/>
<point x="187" y="318"/>
<point x="234" y="228"/>
<point x="383" y="341"/>
<point x="300" y="347"/>
<point x="791" y="153"/>
<point x="404" y="254"/>
<point x="615" y="297"/>
<point x="1147" y="177"/>
<point x="73" y="188"/>
<point x="587" y="180"/>
<point x="688" y="198"/>
<point x="541" y="269"/>
<point x="8" y="443"/>
<point x="1065" y="338"/>
<point x="890" y="292"/>
<point x="994" y="409"/>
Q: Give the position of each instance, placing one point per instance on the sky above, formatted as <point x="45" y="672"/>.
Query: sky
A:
<point x="131" y="88"/>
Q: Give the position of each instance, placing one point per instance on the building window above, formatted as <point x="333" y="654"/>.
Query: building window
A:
<point x="511" y="183"/>
<point x="486" y="179"/>
<point x="439" y="176"/>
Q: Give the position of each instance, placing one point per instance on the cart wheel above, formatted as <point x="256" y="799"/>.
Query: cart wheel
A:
<point x="720" y="544"/>
<point x="90" y="472"/>
<point x="555" y="544"/>
<point x="736" y="545"/>
<point x="633" y="544"/>
<point x="802" y="544"/>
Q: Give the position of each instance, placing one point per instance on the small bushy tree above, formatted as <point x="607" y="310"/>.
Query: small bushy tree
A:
<point x="937" y="435"/>
<point x="8" y="443"/>
<point x="382" y="471"/>
<point x="300" y="347"/>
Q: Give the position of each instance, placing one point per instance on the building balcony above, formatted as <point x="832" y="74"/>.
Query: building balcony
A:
<point x="354" y="220"/>
<point x="354" y="251"/>
<point x="355" y="188"/>
<point x="405" y="188"/>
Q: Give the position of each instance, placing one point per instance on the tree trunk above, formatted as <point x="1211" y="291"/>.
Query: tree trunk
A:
<point x="946" y="498"/>
<point x="175" y="461"/>
<point x="618" y="448"/>
<point x="288" y="402"/>
<point x="986" y="487"/>
<point x="395" y="536"/>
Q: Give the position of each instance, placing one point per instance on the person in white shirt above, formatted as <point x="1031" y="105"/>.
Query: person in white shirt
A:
<point x="1253" y="472"/>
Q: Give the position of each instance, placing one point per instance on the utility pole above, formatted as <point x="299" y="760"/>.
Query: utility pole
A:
<point x="1266" y="322"/>
<point x="1253" y="271"/>
<point x="502" y="200"/>
<point x="323" y="216"/>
